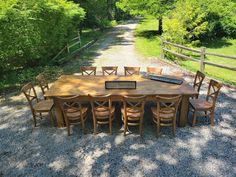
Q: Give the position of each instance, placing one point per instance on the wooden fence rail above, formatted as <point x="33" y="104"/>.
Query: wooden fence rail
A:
<point x="202" y="53"/>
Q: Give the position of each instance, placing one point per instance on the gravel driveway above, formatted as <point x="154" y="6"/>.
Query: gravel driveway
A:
<point x="45" y="151"/>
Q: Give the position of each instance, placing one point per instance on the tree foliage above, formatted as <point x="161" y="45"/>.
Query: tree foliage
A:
<point x="33" y="31"/>
<point x="195" y="21"/>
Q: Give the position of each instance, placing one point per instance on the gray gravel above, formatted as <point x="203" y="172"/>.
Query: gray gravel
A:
<point x="46" y="151"/>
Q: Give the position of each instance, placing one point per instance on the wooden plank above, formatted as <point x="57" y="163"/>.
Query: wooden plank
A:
<point x="220" y="55"/>
<point x="183" y="111"/>
<point x="182" y="47"/>
<point x="181" y="55"/>
<point x="220" y="66"/>
<point x="78" y="42"/>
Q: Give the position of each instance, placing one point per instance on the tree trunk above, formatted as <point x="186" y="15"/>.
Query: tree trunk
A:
<point x="109" y="9"/>
<point x="160" y="28"/>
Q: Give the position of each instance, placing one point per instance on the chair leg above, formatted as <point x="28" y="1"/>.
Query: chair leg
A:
<point x="83" y="126"/>
<point x="212" y="118"/>
<point x="68" y="129"/>
<point x="34" y="121"/>
<point x="194" y="118"/>
<point x="110" y="125"/>
<point x="158" y="128"/>
<point x="174" y="129"/>
<point x="94" y="127"/>
<point x="51" y="119"/>
<point x="125" y="127"/>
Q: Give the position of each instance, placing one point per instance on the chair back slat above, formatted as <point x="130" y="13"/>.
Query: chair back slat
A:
<point x="43" y="84"/>
<point x="199" y="77"/>
<point x="30" y="94"/>
<point x="129" y="71"/>
<point x="155" y="71"/>
<point x="213" y="91"/>
<point x="109" y="70"/>
<point x="88" y="70"/>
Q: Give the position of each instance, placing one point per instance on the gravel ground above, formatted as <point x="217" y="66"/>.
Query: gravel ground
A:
<point x="45" y="151"/>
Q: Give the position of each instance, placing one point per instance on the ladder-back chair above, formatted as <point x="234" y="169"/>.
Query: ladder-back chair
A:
<point x="164" y="114"/>
<point x="129" y="71"/>
<point x="153" y="70"/>
<point x="199" y="77"/>
<point x="37" y="107"/>
<point x="43" y="84"/>
<point x="133" y="112"/>
<point x="74" y="112"/>
<point x="109" y="70"/>
<point x="206" y="105"/>
<point x="102" y="110"/>
<point x="88" y="70"/>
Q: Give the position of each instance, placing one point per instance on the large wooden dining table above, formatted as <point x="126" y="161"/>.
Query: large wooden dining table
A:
<point x="71" y="85"/>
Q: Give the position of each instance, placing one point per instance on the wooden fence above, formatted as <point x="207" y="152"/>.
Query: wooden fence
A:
<point x="202" y="52"/>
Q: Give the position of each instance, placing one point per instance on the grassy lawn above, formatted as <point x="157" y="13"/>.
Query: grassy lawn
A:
<point x="148" y="44"/>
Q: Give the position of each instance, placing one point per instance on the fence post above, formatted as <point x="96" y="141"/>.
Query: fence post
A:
<point x="202" y="64"/>
<point x="162" y="51"/>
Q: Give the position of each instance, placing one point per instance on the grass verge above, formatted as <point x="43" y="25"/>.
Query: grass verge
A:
<point x="147" y="43"/>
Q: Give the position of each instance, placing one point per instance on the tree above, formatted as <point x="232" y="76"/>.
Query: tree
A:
<point x="156" y="8"/>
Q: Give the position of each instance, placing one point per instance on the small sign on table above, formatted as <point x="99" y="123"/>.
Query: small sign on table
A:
<point x="120" y="84"/>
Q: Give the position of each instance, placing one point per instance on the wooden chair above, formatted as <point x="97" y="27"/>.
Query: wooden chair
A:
<point x="132" y="112"/>
<point x="164" y="114"/>
<point x="74" y="112"/>
<point x="129" y="71"/>
<point x="109" y="70"/>
<point x="155" y="71"/>
<point x="88" y="70"/>
<point x="37" y="107"/>
<point x="206" y="105"/>
<point x="199" y="77"/>
<point x="43" y="84"/>
<point x="103" y="111"/>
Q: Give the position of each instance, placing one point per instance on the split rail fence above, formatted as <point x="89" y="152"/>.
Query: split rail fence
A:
<point x="202" y="52"/>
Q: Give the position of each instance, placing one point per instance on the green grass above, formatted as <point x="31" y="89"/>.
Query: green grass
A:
<point x="147" y="42"/>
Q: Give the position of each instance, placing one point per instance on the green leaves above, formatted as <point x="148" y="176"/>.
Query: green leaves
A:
<point x="33" y="31"/>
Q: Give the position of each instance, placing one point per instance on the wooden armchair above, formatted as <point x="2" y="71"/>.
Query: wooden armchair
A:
<point x="109" y="70"/>
<point x="74" y="112"/>
<point x="199" y="77"/>
<point x="129" y="71"/>
<point x="88" y="70"/>
<point x="103" y="111"/>
<point x="43" y="84"/>
<point x="164" y="114"/>
<point x="37" y="107"/>
<point x="155" y="71"/>
<point x="133" y="112"/>
<point x="206" y="105"/>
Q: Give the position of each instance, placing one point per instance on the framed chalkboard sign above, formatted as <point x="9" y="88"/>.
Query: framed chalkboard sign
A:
<point x="120" y="84"/>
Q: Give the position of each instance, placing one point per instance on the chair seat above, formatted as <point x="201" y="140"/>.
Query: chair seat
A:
<point x="75" y="114"/>
<point x="164" y="114"/>
<point x="200" y="104"/>
<point x="132" y="113"/>
<point x="43" y="106"/>
<point x="102" y="112"/>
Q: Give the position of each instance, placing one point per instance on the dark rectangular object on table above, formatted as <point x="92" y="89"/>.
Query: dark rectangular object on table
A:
<point x="165" y="79"/>
<point x="120" y="84"/>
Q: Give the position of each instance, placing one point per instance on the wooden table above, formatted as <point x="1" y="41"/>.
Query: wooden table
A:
<point x="70" y="85"/>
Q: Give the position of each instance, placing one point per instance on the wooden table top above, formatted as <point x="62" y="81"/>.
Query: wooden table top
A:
<point x="70" y="85"/>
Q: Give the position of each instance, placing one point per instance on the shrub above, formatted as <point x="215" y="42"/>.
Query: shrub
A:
<point x="33" y="31"/>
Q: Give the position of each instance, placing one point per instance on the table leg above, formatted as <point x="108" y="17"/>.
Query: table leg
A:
<point x="184" y="111"/>
<point x="59" y="114"/>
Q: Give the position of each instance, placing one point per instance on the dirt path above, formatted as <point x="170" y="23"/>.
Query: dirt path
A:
<point x="118" y="50"/>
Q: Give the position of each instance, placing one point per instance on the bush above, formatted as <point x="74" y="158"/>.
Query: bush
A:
<point x="33" y="31"/>
<point x="195" y="21"/>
